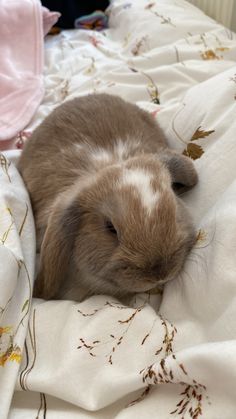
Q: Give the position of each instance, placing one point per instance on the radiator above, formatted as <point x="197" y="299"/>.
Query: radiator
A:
<point x="224" y="11"/>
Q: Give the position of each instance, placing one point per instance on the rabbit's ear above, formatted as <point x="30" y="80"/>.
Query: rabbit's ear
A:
<point x="57" y="248"/>
<point x="181" y="168"/>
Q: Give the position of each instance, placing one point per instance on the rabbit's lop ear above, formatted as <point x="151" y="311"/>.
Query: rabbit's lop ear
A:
<point x="181" y="168"/>
<point x="57" y="248"/>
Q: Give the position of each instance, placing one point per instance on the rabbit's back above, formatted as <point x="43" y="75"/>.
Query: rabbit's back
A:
<point x="74" y="134"/>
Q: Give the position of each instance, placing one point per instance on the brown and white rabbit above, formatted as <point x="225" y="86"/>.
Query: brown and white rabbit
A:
<point x="100" y="174"/>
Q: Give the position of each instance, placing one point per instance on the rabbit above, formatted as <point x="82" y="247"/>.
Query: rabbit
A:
<point x="100" y="176"/>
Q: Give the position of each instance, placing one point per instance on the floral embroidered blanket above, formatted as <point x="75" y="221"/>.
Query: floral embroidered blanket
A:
<point x="173" y="355"/>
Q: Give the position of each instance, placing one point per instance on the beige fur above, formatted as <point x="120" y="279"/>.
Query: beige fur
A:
<point x="100" y="175"/>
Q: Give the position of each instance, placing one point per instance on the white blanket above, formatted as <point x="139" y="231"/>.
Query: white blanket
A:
<point x="173" y="355"/>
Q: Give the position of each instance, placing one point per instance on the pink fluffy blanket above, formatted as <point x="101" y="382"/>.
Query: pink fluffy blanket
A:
<point x="23" y="25"/>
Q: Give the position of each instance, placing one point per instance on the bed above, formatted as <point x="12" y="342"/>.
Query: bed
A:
<point x="173" y="354"/>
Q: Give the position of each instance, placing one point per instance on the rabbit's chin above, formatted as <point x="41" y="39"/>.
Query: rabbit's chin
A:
<point x="80" y="290"/>
<point x="138" y="286"/>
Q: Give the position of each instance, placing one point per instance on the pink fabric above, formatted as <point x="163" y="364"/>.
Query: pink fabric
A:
<point x="49" y="19"/>
<point x="21" y="64"/>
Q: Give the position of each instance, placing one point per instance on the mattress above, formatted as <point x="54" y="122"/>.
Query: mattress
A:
<point x="173" y="353"/>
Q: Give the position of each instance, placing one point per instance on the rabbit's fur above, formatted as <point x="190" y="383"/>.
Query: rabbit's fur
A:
<point x="100" y="174"/>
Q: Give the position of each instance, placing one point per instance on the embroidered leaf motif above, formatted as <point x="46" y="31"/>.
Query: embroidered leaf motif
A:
<point x="5" y="330"/>
<point x="24" y="220"/>
<point x="209" y="55"/>
<point x="95" y="41"/>
<point x="222" y="49"/>
<point x="194" y="151"/>
<point x="26" y="303"/>
<point x="16" y="355"/>
<point x="8" y="351"/>
<point x="64" y="89"/>
<point x="201" y="236"/>
<point x="200" y="133"/>
<point x="139" y="45"/>
<point x="149" y="6"/>
<point x="91" y="68"/>
<point x="152" y="88"/>
<point x="183" y="369"/>
<point x="7" y="232"/>
<point x="5" y="165"/>
<point x="145" y="338"/>
<point x="141" y="397"/>
<point x="133" y="69"/>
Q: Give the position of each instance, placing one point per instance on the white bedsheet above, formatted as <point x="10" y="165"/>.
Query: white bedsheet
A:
<point x="174" y="355"/>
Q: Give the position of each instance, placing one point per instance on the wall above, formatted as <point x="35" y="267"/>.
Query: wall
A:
<point x="224" y="11"/>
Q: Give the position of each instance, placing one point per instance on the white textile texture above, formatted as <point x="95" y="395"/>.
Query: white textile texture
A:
<point x="172" y="355"/>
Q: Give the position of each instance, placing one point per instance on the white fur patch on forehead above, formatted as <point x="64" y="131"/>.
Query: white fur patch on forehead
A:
<point x="122" y="149"/>
<point x="120" y="152"/>
<point x="141" y="180"/>
<point x="102" y="155"/>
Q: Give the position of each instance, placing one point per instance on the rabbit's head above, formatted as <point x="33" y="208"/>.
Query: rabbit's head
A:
<point x="121" y="231"/>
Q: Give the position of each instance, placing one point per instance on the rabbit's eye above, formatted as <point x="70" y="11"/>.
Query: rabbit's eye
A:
<point x="110" y="228"/>
<point x="177" y="187"/>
